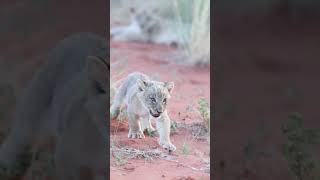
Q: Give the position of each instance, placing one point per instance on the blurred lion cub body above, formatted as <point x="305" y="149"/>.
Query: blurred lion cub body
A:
<point x="66" y="100"/>
<point x="147" y="26"/>
<point x="145" y="99"/>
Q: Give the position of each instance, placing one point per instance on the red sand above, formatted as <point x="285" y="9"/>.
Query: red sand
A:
<point x="191" y="83"/>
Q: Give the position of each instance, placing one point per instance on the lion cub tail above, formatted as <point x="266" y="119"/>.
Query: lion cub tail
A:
<point x="118" y="99"/>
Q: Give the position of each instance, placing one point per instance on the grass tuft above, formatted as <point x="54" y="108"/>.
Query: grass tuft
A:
<point x="204" y="110"/>
<point x="185" y="148"/>
<point x="197" y="36"/>
<point x="297" y="149"/>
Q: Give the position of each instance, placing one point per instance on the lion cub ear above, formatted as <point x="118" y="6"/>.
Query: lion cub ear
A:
<point x="169" y="86"/>
<point x="142" y="84"/>
<point x="98" y="72"/>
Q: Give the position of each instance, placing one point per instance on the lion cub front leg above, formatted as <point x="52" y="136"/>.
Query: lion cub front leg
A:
<point x="146" y="123"/>
<point x="163" y="127"/>
<point x="135" y="130"/>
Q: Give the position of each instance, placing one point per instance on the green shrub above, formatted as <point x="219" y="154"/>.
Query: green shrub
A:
<point x="297" y="149"/>
<point x="204" y="110"/>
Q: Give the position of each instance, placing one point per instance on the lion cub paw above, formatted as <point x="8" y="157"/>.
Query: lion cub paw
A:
<point x="136" y="135"/>
<point x="167" y="146"/>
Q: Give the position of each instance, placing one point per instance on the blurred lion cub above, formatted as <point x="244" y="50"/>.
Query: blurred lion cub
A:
<point x="146" y="26"/>
<point x="66" y="100"/>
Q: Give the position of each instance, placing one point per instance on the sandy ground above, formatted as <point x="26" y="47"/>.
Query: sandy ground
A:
<point x="191" y="83"/>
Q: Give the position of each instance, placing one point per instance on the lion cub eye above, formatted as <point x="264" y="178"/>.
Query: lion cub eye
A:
<point x="165" y="100"/>
<point x="153" y="99"/>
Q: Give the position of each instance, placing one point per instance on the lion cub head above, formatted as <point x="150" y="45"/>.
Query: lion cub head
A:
<point x="154" y="95"/>
<point x="148" y="20"/>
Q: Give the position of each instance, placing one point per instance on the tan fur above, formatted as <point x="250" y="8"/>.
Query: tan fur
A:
<point x="66" y="100"/>
<point x="145" y="100"/>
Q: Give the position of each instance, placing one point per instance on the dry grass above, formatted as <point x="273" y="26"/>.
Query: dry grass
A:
<point x="123" y="154"/>
<point x="197" y="47"/>
<point x="132" y="153"/>
<point x="198" y="131"/>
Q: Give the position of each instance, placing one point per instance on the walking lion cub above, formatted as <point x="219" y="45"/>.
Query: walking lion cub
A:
<point x="145" y="99"/>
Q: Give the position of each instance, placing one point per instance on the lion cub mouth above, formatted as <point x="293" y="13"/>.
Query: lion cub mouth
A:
<point x="154" y="115"/>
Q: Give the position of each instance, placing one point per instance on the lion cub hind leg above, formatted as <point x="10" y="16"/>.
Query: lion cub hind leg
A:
<point x="135" y="131"/>
<point x="163" y="127"/>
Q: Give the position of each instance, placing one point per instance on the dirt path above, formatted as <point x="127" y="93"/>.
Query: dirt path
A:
<point x="190" y="161"/>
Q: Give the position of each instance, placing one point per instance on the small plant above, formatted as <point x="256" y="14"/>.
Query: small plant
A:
<point x="297" y="149"/>
<point x="113" y="142"/>
<point x="185" y="148"/>
<point x="204" y="110"/>
<point x="173" y="127"/>
<point x="151" y="133"/>
<point x="199" y="131"/>
<point x="120" y="160"/>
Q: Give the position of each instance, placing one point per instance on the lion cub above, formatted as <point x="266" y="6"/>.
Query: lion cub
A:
<point x="146" y="26"/>
<point x="145" y="99"/>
